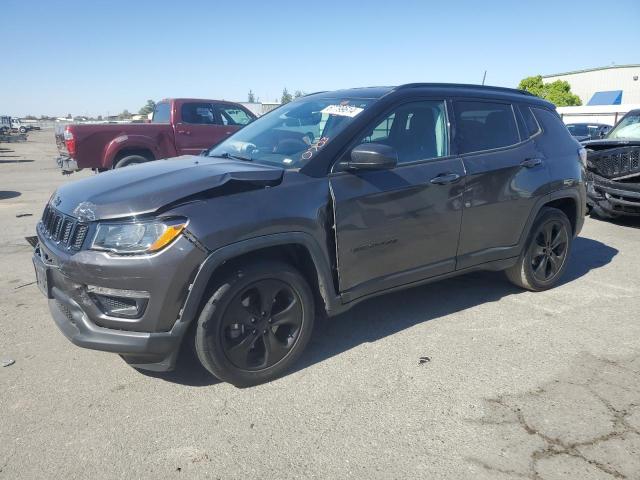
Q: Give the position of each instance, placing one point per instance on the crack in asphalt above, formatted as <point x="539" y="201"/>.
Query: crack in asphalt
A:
<point x="553" y="446"/>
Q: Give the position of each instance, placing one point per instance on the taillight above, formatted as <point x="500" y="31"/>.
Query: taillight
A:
<point x="583" y="155"/>
<point x="70" y="142"/>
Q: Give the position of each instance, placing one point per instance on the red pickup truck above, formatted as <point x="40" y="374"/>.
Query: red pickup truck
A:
<point x="179" y="126"/>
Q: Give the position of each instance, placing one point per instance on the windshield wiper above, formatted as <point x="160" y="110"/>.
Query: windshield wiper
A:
<point x="236" y="157"/>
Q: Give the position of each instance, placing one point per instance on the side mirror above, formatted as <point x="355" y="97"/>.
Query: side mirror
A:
<point x="373" y="156"/>
<point x="204" y="152"/>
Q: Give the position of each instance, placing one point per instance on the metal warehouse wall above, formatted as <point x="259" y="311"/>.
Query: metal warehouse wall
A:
<point x="585" y="83"/>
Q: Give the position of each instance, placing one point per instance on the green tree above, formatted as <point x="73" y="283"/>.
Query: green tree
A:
<point x="298" y="94"/>
<point x="125" y="115"/>
<point x="251" y="98"/>
<point x="558" y="92"/>
<point x="286" y="96"/>
<point x="148" y="108"/>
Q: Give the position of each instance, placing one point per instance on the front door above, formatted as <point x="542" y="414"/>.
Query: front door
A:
<point x="399" y="226"/>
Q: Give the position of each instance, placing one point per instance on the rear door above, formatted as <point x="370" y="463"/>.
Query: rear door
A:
<point x="397" y="226"/>
<point x="505" y="175"/>
<point x="198" y="127"/>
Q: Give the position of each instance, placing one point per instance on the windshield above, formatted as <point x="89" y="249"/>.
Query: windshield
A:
<point x="629" y="127"/>
<point x="578" y="129"/>
<point x="294" y="133"/>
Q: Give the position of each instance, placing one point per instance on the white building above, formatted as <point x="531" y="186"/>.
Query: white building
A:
<point x="617" y="84"/>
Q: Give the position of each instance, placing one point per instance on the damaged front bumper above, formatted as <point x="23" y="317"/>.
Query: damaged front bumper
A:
<point x="613" y="178"/>
<point x="614" y="197"/>
<point x="88" y="290"/>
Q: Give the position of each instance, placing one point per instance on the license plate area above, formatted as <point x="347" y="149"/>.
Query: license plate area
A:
<point x="42" y="275"/>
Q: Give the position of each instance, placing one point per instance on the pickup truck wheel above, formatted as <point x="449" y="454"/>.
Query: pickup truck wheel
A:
<point x="130" y="160"/>
<point x="23" y="130"/>
<point x="256" y="323"/>
<point x="546" y="253"/>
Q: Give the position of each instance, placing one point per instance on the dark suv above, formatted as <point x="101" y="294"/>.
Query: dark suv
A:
<point x="324" y="202"/>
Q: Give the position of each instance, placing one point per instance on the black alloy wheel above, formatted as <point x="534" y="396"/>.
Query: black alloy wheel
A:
<point x="261" y="324"/>
<point x="545" y="255"/>
<point x="256" y="323"/>
<point x="548" y="251"/>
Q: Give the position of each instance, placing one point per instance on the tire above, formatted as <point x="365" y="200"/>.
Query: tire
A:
<point x="256" y="323"/>
<point x="541" y="264"/>
<point x="130" y="160"/>
<point x="23" y="130"/>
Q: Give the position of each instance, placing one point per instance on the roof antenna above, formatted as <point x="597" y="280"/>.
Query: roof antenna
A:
<point x="484" y="77"/>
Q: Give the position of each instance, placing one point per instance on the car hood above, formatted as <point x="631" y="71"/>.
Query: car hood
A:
<point x="149" y="187"/>
<point x="611" y="143"/>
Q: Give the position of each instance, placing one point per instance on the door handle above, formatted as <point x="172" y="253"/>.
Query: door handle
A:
<point x="184" y="132"/>
<point x="531" y="162"/>
<point x="445" y="178"/>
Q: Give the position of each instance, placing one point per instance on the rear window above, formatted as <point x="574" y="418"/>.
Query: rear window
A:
<point x="484" y="126"/>
<point x="162" y="113"/>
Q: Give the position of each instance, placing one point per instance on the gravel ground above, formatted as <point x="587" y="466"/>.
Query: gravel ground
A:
<point x="467" y="378"/>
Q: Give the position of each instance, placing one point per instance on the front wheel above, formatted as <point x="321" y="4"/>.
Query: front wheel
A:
<point x="256" y="323"/>
<point x="544" y="259"/>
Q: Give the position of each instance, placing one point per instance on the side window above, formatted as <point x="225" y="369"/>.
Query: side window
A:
<point x="162" y="113"/>
<point x="532" y="127"/>
<point x="198" y="113"/>
<point x="230" y="115"/>
<point x="417" y="131"/>
<point x="484" y="126"/>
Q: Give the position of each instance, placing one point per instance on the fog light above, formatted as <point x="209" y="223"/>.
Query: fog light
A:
<point x="119" y="303"/>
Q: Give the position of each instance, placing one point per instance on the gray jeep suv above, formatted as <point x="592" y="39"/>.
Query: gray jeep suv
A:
<point x="322" y="203"/>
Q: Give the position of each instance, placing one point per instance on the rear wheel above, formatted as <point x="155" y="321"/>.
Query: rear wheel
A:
<point x="544" y="259"/>
<point x="256" y="323"/>
<point x="130" y="160"/>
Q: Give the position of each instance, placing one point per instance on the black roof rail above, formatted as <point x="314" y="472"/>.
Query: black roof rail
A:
<point x="465" y="85"/>
<point x="314" y="93"/>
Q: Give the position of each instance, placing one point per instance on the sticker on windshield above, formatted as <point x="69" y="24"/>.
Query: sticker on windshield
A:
<point x="342" y="110"/>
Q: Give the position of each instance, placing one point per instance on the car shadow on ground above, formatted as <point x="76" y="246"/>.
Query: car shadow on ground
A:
<point x="629" y="222"/>
<point x="388" y="314"/>
<point x="6" y="194"/>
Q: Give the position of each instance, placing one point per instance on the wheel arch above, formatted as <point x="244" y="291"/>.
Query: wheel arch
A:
<point x="298" y="248"/>
<point x="568" y="201"/>
<point x="125" y="145"/>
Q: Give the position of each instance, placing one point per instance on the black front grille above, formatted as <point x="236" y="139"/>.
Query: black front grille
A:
<point x="618" y="162"/>
<point x="63" y="229"/>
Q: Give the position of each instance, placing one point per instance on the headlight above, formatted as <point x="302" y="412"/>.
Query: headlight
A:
<point x="139" y="237"/>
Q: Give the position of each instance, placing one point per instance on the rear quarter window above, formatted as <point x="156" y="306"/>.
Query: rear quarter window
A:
<point x="531" y="125"/>
<point x="555" y="132"/>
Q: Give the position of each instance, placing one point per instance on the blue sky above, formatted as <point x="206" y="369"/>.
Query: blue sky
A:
<point x="94" y="57"/>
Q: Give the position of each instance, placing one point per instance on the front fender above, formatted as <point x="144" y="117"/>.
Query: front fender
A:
<point x="218" y="257"/>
